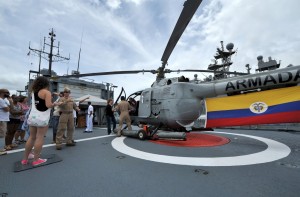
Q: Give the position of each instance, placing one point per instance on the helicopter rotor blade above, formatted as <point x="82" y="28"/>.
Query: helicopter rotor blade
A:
<point x="190" y="7"/>
<point x="108" y="73"/>
<point x="207" y="71"/>
<point x="117" y="100"/>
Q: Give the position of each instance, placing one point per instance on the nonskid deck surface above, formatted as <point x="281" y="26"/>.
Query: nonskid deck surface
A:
<point x="253" y="163"/>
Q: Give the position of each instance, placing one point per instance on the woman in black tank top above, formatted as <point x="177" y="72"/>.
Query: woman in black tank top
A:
<point x="36" y="138"/>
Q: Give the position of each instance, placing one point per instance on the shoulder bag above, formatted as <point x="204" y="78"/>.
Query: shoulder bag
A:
<point x="38" y="118"/>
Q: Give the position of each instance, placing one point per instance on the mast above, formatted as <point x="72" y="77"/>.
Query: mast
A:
<point x="49" y="56"/>
<point x="225" y="57"/>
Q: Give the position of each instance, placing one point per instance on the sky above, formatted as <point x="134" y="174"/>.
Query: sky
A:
<point x="118" y="35"/>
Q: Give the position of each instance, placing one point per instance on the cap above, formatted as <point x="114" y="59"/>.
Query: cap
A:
<point x="67" y="90"/>
<point x="4" y="91"/>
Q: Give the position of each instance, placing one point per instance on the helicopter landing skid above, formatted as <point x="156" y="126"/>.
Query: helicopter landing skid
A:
<point x="171" y="135"/>
<point x="147" y="133"/>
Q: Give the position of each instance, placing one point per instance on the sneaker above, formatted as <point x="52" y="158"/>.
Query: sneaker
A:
<point x="39" y="162"/>
<point x="24" y="162"/>
<point x="18" y="142"/>
<point x="30" y="156"/>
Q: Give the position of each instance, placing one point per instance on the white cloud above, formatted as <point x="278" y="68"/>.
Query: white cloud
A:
<point x="133" y="34"/>
<point x="137" y="2"/>
<point x="114" y="4"/>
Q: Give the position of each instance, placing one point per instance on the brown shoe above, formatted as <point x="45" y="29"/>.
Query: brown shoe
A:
<point x="73" y="141"/>
<point x="71" y="144"/>
<point x="58" y="147"/>
<point x="119" y="134"/>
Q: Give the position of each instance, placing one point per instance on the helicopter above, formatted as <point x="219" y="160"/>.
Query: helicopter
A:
<point x="181" y="104"/>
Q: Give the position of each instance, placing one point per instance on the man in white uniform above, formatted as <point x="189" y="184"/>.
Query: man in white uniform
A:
<point x="90" y="116"/>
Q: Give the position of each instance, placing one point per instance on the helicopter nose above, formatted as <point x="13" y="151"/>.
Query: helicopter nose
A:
<point x="188" y="111"/>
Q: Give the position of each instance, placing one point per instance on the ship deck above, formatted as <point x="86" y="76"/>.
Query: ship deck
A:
<point x="253" y="163"/>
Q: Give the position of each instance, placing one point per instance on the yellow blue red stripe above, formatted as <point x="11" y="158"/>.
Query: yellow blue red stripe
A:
<point x="270" y="97"/>
<point x="286" y="107"/>
<point x="272" y="106"/>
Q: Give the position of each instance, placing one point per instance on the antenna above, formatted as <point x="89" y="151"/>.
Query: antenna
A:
<point x="79" y="52"/>
<point x="248" y="68"/>
<point x="225" y="57"/>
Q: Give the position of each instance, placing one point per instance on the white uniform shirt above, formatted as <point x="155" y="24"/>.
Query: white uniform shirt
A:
<point x="90" y="110"/>
<point x="4" y="116"/>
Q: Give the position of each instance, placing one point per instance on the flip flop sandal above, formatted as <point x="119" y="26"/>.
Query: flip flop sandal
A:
<point x="8" y="148"/>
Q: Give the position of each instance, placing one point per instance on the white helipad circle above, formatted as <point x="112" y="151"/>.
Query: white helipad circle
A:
<point x="274" y="151"/>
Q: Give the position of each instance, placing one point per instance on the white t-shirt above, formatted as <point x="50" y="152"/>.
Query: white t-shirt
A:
<point x="4" y="116"/>
<point x="90" y="110"/>
<point x="74" y="111"/>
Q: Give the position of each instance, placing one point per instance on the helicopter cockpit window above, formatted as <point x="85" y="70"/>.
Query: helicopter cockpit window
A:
<point x="134" y="105"/>
<point x="145" y="97"/>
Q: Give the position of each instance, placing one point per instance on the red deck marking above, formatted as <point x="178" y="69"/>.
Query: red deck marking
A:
<point x="195" y="140"/>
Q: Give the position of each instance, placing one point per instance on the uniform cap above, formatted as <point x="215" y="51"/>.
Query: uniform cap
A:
<point x="67" y="90"/>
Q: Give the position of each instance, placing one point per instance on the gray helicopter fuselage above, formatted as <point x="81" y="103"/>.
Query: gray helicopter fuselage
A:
<point x="173" y="105"/>
<point x="179" y="104"/>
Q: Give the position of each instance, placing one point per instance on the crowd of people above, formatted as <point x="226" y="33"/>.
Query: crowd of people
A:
<point x="12" y="114"/>
<point x="14" y="111"/>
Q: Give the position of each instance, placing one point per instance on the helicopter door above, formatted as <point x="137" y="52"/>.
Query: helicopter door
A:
<point x="145" y="104"/>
